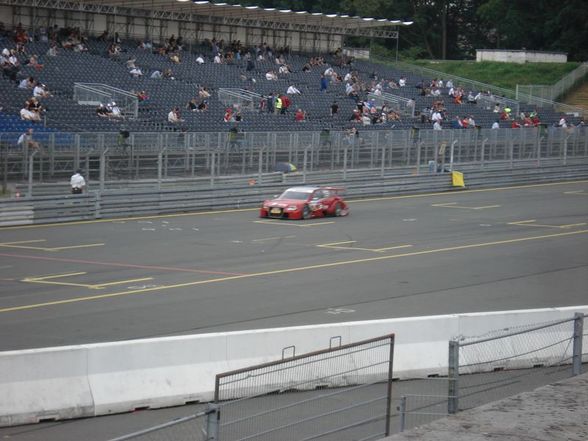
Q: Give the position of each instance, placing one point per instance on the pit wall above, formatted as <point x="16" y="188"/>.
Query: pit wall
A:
<point x="105" y="378"/>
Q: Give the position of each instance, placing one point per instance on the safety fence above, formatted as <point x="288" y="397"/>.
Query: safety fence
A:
<point x="553" y="92"/>
<point x="190" y="428"/>
<point x="280" y="399"/>
<point x="512" y="359"/>
<point x="111" y="156"/>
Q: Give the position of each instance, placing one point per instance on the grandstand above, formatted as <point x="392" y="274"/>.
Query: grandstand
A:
<point x="96" y="65"/>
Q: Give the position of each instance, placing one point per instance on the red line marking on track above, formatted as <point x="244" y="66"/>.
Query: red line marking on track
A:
<point x="122" y="265"/>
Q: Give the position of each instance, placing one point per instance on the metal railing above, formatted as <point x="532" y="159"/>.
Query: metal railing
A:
<point x="553" y="92"/>
<point x="495" y="90"/>
<point x="96" y="93"/>
<point x="404" y="106"/>
<point x="239" y="98"/>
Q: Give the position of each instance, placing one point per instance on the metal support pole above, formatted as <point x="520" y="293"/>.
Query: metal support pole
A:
<point x="260" y="166"/>
<point x="483" y="152"/>
<point x="345" y="163"/>
<point x="383" y="161"/>
<point x="212" y="422"/>
<point x="103" y="168"/>
<point x="160" y="167"/>
<point x="305" y="157"/>
<point x="453" y="377"/>
<point x="31" y="163"/>
<point x="451" y="153"/>
<point x="212" y="168"/>
<point x="577" y="347"/>
<point x="565" y="152"/>
<point x="389" y="387"/>
<point x="418" y="158"/>
<point x="402" y="411"/>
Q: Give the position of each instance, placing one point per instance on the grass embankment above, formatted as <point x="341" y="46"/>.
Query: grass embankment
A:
<point x="506" y="75"/>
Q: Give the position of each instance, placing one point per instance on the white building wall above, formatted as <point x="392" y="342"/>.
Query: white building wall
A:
<point x="520" y="56"/>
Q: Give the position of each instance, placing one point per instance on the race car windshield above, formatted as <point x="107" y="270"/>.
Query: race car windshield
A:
<point x="299" y="195"/>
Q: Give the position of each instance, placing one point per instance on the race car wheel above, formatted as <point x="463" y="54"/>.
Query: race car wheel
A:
<point x="306" y="212"/>
<point x="338" y="209"/>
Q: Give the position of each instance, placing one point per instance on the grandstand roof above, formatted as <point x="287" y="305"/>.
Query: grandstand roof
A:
<point x="225" y="10"/>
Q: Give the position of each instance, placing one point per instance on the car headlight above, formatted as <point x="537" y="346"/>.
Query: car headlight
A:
<point x="292" y="208"/>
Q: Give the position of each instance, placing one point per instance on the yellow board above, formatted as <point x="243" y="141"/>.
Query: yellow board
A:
<point x="457" y="179"/>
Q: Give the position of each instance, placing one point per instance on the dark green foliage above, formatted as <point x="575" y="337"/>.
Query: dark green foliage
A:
<point x="454" y="29"/>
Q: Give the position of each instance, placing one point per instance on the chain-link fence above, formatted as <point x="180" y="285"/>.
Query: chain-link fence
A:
<point x="338" y="394"/>
<point x="553" y="92"/>
<point x="511" y="361"/>
<point x="123" y="156"/>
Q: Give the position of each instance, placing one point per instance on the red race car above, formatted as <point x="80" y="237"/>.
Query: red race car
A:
<point x="306" y="202"/>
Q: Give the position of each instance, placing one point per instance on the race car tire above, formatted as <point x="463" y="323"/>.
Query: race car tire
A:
<point x="306" y="212"/>
<point x="338" y="209"/>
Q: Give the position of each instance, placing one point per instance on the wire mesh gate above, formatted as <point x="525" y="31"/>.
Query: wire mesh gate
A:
<point x="341" y="393"/>
<point x="507" y="362"/>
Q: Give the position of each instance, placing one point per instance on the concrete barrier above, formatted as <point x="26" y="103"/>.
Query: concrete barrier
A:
<point x="104" y="378"/>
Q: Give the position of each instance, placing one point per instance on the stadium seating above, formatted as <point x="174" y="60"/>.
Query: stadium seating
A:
<point x="61" y="72"/>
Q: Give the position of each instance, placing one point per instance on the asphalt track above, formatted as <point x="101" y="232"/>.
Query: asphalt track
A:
<point x="482" y="250"/>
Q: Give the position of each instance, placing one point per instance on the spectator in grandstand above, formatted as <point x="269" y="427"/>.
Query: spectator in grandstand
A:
<point x="402" y="82"/>
<point x="457" y="123"/>
<point x="40" y="91"/>
<point x="203" y="93"/>
<point x="26" y="114"/>
<point x="114" y="110"/>
<point x="136" y="72"/>
<point x="497" y="108"/>
<point x="131" y="63"/>
<point x="174" y="116"/>
<point x="471" y="122"/>
<point x="324" y="83"/>
<point x="436" y="116"/>
<point x="77" y="183"/>
<point x="250" y="65"/>
<point x="217" y="58"/>
<point x="449" y="84"/>
<point x="238" y="117"/>
<point x="496" y="124"/>
<point x="515" y="124"/>
<point x="355" y="116"/>
<point x="299" y="116"/>
<point x="200" y="59"/>
<point x="168" y="74"/>
<point x="114" y="50"/>
<point x="27" y="83"/>
<point x="228" y="116"/>
<point x="174" y="57"/>
<point x="33" y="61"/>
<point x="437" y="125"/>
<point x="334" y="108"/>
<point x="306" y="67"/>
<point x="52" y="52"/>
<point x="203" y="106"/>
<point x="471" y="98"/>
<point x="278" y="104"/>
<point x="192" y="105"/>
<point x="26" y="141"/>
<point x="270" y="101"/>
<point x="156" y="74"/>
<point x="562" y="122"/>
<point x="505" y="115"/>
<point x="271" y="75"/>
<point x="293" y="90"/>
<point x="102" y="111"/>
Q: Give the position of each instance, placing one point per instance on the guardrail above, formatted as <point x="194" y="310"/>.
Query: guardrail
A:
<point x="141" y="202"/>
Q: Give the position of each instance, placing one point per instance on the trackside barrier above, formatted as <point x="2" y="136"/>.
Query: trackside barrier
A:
<point x="127" y="203"/>
<point x="99" y="379"/>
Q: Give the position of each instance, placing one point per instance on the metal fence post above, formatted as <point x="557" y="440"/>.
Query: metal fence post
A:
<point x="30" y="182"/>
<point x="402" y="411"/>
<point x="453" y="377"/>
<point x="389" y="386"/>
<point x="305" y="158"/>
<point x="212" y="168"/>
<point x="345" y="163"/>
<point x="103" y="168"/>
<point x="577" y="348"/>
<point x="159" y="167"/>
<point x="483" y="152"/>
<point x="212" y="422"/>
<point x="451" y="155"/>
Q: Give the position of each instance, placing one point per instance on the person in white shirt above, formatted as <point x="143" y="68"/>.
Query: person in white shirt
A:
<point x="28" y="115"/>
<point x="156" y="74"/>
<point x="271" y="75"/>
<point x="115" y="111"/>
<point x="449" y="84"/>
<point x="77" y="182"/>
<point x="200" y="59"/>
<point x="437" y="126"/>
<point x="436" y="117"/>
<point x="136" y="72"/>
<point x="292" y="90"/>
<point x="217" y="59"/>
<point x="402" y="82"/>
<point x="26" y="83"/>
<point x="174" y="116"/>
<point x="40" y="92"/>
<point x="440" y="83"/>
<point x="496" y="125"/>
<point x="562" y="122"/>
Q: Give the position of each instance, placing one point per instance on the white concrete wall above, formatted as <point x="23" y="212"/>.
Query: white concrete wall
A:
<point x="520" y="56"/>
<point x="99" y="379"/>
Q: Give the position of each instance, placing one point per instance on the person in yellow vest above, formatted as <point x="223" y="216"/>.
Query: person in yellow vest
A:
<point x="278" y="105"/>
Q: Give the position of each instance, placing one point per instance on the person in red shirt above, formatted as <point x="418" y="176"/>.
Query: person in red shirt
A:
<point x="285" y="104"/>
<point x="299" y="115"/>
<point x="515" y="125"/>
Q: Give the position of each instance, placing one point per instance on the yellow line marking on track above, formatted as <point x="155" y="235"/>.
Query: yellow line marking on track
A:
<point x="454" y="205"/>
<point x="50" y="249"/>
<point x="291" y="270"/>
<point x="102" y="285"/>
<point x="531" y="223"/>
<point x="54" y="276"/>
<point x="272" y="238"/>
<point x="242" y="210"/>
